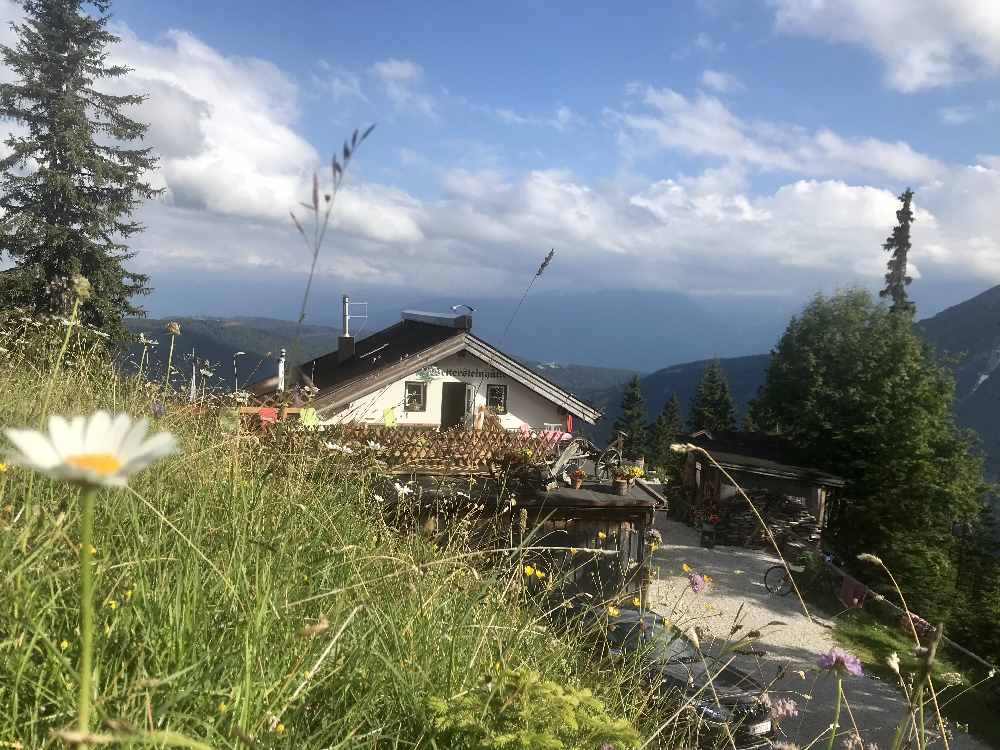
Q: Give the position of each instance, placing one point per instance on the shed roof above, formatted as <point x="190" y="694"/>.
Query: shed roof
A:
<point x="760" y="453"/>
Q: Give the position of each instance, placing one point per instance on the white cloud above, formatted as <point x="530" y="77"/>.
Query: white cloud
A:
<point x="400" y="79"/>
<point x="704" y="126"/>
<point x="562" y="119"/>
<point x="234" y="163"/>
<point x="340" y="82"/>
<point x="957" y="115"/>
<point x="923" y="45"/>
<point x="223" y="126"/>
<point x="702" y="44"/>
<point x="720" y="81"/>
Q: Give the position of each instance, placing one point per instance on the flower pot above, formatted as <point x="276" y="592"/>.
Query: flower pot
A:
<point x="577" y="484"/>
<point x="621" y="487"/>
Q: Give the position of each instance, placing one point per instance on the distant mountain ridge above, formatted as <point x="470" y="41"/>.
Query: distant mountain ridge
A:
<point x="967" y="335"/>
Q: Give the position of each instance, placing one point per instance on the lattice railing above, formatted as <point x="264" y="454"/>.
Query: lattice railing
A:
<point x="449" y="451"/>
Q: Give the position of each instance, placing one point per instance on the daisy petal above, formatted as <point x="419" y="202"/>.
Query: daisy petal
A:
<point x="117" y="431"/>
<point x="63" y="437"/>
<point x="132" y="441"/>
<point x="95" y="439"/>
<point x="160" y="445"/>
<point x="34" y="449"/>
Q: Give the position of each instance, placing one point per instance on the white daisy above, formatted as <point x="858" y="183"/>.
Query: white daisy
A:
<point x="402" y="490"/>
<point x="95" y="450"/>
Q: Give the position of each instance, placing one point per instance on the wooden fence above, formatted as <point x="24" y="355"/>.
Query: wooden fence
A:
<point x="456" y="451"/>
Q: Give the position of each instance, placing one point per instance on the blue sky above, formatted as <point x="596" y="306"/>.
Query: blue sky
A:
<point x="746" y="153"/>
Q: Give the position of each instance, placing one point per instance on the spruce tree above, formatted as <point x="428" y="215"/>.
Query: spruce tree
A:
<point x="712" y="405"/>
<point x="633" y="420"/>
<point x="898" y="243"/>
<point x="664" y="431"/>
<point x="71" y="183"/>
<point x="859" y="392"/>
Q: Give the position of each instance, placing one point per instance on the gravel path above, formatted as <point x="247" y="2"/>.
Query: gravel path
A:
<point x="737" y="590"/>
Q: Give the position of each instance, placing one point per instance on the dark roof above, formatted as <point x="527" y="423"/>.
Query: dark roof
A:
<point x="760" y="453"/>
<point x="405" y="347"/>
<point x="386" y="347"/>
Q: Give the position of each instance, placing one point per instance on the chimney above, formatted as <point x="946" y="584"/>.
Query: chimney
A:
<point x="345" y="344"/>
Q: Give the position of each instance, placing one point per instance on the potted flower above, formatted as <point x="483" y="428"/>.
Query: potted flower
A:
<point x="577" y="476"/>
<point x="623" y="476"/>
<point x="633" y="472"/>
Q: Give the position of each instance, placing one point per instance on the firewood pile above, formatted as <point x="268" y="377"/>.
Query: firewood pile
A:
<point x="794" y="527"/>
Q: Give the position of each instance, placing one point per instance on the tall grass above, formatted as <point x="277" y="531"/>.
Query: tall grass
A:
<point x="246" y="597"/>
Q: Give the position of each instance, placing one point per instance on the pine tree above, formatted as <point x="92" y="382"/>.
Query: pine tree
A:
<point x="859" y="392"/>
<point x="70" y="184"/>
<point x="664" y="431"/>
<point x="898" y="243"/>
<point x="633" y="420"/>
<point x="712" y="406"/>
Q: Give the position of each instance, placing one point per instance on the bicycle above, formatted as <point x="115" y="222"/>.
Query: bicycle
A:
<point x="778" y="581"/>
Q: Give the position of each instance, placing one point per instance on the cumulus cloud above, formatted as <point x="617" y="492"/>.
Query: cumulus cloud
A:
<point x="936" y="43"/>
<point x="704" y="126"/>
<point x="234" y="162"/>
<point x="224" y="127"/>
<point x="717" y="80"/>
<point x="400" y="80"/>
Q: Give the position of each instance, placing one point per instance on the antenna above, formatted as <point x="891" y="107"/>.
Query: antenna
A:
<point x="349" y="315"/>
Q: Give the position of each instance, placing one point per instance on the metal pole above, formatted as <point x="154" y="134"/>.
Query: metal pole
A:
<point x="236" y="374"/>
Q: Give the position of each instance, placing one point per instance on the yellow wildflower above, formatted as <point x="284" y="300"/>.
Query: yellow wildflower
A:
<point x="528" y="570"/>
<point x="601" y="535"/>
<point x="111" y="604"/>
<point x="63" y="645"/>
<point x="128" y="595"/>
<point x="686" y="568"/>
<point x="3" y="467"/>
<point x="572" y="550"/>
<point x="614" y="611"/>
<point x="280" y="729"/>
<point x="540" y="573"/>
<point x="223" y="708"/>
<point x="636" y="601"/>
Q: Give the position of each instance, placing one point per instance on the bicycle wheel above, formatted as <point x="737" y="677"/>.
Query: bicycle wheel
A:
<point x="607" y="462"/>
<point x="776" y="581"/>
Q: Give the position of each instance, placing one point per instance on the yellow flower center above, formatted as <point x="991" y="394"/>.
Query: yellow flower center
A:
<point x="104" y="464"/>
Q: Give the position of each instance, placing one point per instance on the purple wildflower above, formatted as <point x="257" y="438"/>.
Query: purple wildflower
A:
<point x="697" y="582"/>
<point x="841" y="661"/>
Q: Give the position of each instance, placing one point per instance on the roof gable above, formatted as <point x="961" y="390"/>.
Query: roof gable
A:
<point x="407" y="347"/>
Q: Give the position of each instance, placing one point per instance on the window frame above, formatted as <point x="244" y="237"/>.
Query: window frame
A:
<point x="407" y="409"/>
<point x="506" y="393"/>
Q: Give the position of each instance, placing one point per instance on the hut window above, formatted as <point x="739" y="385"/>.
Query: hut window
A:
<point x="416" y="397"/>
<point x="496" y="398"/>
